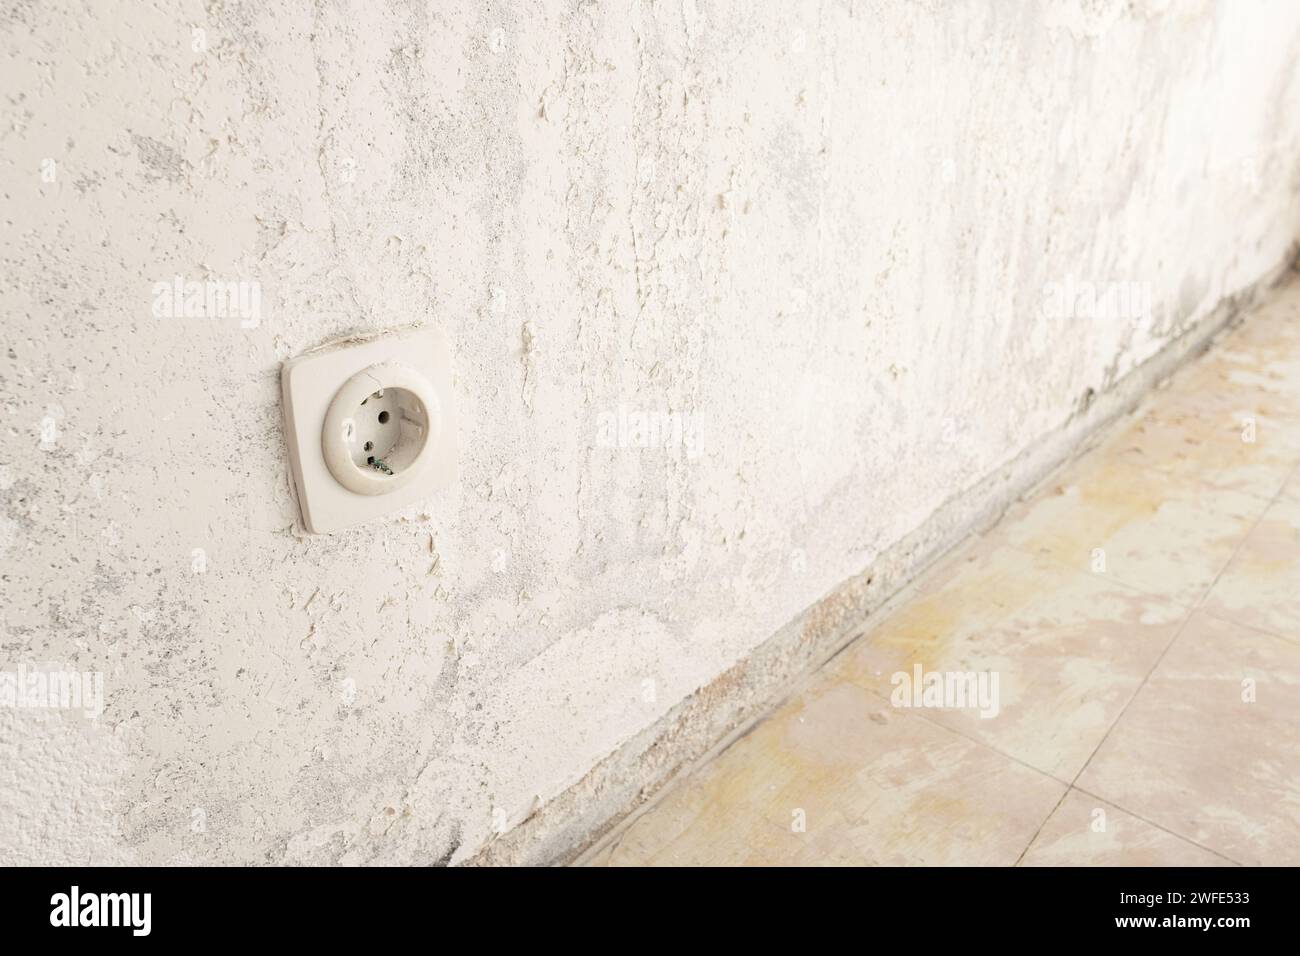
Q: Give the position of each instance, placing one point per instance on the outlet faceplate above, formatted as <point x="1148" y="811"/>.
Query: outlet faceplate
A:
<point x="371" y="426"/>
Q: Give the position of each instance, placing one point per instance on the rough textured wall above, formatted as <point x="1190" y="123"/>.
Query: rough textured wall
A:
<point x="818" y="233"/>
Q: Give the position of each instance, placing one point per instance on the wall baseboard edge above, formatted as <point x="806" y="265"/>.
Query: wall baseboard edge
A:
<point x="580" y="822"/>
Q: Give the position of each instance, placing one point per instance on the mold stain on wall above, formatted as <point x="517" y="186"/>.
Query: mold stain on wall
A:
<point x="821" y="231"/>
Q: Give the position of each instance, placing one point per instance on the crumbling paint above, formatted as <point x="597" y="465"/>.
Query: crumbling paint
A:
<point x="820" y="230"/>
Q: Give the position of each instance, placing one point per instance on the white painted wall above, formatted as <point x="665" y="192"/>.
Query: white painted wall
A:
<point x="821" y="231"/>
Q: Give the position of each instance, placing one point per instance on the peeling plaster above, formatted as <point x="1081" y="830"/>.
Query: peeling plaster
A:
<point x="823" y="230"/>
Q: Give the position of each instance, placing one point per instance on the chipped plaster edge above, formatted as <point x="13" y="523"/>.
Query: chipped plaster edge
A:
<point x="579" y="823"/>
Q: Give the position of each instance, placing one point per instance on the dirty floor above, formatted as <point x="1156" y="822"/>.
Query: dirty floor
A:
<point x="1141" y="614"/>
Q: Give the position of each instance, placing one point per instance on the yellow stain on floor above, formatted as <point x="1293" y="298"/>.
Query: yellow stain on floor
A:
<point x="1141" y="612"/>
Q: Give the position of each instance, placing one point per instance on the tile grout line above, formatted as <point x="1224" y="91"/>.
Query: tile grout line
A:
<point x="1188" y="613"/>
<point x="895" y="602"/>
<point x="1152" y="823"/>
<point x="1286" y="483"/>
<point x="1069" y="786"/>
<point x="989" y="747"/>
<point x="1178" y="632"/>
<point x="1181" y="628"/>
<point x="921" y="715"/>
<point x="1033" y="839"/>
<point x="1199" y="604"/>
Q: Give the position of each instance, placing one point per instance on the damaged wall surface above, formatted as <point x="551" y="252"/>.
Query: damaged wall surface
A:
<point x="738" y="299"/>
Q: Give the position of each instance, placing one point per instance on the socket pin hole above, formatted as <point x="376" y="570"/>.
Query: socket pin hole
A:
<point x="389" y="434"/>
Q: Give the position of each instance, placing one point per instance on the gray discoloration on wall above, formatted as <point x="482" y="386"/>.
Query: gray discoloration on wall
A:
<point x="822" y="231"/>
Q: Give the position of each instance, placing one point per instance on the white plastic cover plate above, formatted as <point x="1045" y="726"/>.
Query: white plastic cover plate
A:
<point x="371" y="426"/>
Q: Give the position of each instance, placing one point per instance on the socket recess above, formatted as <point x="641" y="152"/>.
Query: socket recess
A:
<point x="371" y="426"/>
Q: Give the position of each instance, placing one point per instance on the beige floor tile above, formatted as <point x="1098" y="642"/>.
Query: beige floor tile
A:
<point x="874" y="787"/>
<point x="1242" y="374"/>
<point x="1273" y="325"/>
<point x="1257" y="362"/>
<point x="1231" y="419"/>
<point x="1085" y="831"/>
<point x="1069" y="649"/>
<point x="1261" y="587"/>
<point x="1165" y="534"/>
<point x="1239" y="440"/>
<point x="1192" y="756"/>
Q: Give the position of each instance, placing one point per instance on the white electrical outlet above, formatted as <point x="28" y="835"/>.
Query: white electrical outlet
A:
<point x="371" y="426"/>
